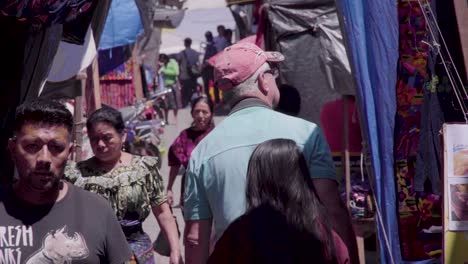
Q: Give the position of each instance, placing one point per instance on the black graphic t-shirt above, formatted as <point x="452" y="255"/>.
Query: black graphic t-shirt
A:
<point x="81" y="228"/>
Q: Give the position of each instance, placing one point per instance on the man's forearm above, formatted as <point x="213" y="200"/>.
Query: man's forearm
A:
<point x="197" y="241"/>
<point x="343" y="226"/>
<point x="328" y="193"/>
<point x="195" y="253"/>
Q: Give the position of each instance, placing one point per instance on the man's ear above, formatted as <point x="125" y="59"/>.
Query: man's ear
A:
<point x="124" y="136"/>
<point x="263" y="84"/>
<point x="11" y="147"/>
<point x="71" y="147"/>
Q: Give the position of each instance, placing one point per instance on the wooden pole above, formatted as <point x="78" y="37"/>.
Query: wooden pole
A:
<point x="92" y="88"/>
<point x="345" y="153"/>
<point x="96" y="84"/>
<point x="461" y="12"/>
<point x="78" y="119"/>
<point x="346" y="164"/>
<point x="137" y="82"/>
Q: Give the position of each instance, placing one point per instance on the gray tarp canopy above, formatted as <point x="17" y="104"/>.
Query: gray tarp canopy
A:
<point x="308" y="33"/>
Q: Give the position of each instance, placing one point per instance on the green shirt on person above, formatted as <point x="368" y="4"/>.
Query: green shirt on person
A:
<point x="170" y="72"/>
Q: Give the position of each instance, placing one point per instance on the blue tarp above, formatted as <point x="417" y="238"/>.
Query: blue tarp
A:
<point x="123" y="25"/>
<point x="371" y="33"/>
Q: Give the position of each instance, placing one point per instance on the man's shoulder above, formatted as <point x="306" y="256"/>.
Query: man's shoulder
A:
<point x="193" y="52"/>
<point x="267" y="122"/>
<point x="86" y="197"/>
<point x="253" y="126"/>
<point x="293" y="119"/>
<point x="278" y="120"/>
<point x="219" y="38"/>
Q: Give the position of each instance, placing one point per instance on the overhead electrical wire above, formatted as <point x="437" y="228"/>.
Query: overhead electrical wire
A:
<point x="460" y="94"/>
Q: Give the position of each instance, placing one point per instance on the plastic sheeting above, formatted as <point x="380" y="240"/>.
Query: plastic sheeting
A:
<point x="70" y="58"/>
<point x="123" y="25"/>
<point x="70" y="87"/>
<point x="308" y="34"/>
<point x="244" y="17"/>
<point x="371" y="31"/>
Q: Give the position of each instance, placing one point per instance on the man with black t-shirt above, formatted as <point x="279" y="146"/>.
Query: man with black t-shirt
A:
<point x="43" y="219"/>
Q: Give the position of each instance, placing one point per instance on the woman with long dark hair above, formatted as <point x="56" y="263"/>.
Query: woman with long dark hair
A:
<point x="285" y="221"/>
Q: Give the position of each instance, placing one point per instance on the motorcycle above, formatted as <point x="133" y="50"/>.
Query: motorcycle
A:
<point x="145" y="126"/>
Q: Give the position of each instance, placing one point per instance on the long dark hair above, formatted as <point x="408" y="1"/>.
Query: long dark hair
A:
<point x="278" y="177"/>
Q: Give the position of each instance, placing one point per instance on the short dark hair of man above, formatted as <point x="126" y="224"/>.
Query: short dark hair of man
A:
<point x="209" y="36"/>
<point x="43" y="112"/>
<point x="221" y="29"/>
<point x="108" y="115"/>
<point x="163" y="58"/>
<point x="187" y="42"/>
<point x="290" y="100"/>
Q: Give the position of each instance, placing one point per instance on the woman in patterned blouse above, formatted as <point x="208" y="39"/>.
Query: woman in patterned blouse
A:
<point x="132" y="184"/>
<point x="180" y="150"/>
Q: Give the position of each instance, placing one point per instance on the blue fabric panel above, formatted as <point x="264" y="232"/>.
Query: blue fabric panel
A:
<point x="371" y="33"/>
<point x="123" y="25"/>
<point x="112" y="58"/>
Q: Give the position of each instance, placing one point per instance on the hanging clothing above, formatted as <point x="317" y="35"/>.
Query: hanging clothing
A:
<point x="42" y="14"/>
<point x="117" y="89"/>
<point x="416" y="210"/>
<point x="33" y="30"/>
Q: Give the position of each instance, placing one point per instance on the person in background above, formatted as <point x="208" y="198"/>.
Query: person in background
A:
<point x="187" y="58"/>
<point x="169" y="69"/>
<point x="228" y="36"/>
<point x="216" y="176"/>
<point x="290" y="100"/>
<point x="44" y="219"/>
<point x="131" y="184"/>
<point x="285" y="221"/>
<point x="220" y="40"/>
<point x="180" y="150"/>
<point x="207" y="69"/>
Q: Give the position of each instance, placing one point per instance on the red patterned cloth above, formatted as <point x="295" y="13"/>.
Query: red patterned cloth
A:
<point x="118" y="93"/>
<point x="117" y="88"/>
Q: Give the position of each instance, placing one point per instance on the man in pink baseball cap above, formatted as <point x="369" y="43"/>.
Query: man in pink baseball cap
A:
<point x="239" y="62"/>
<point x="215" y="186"/>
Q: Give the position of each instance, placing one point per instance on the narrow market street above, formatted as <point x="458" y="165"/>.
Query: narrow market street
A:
<point x="170" y="133"/>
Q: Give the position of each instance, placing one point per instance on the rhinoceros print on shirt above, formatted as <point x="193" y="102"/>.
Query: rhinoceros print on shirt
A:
<point x="59" y="248"/>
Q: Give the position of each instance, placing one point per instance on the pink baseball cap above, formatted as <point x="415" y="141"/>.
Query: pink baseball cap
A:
<point x="240" y="61"/>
